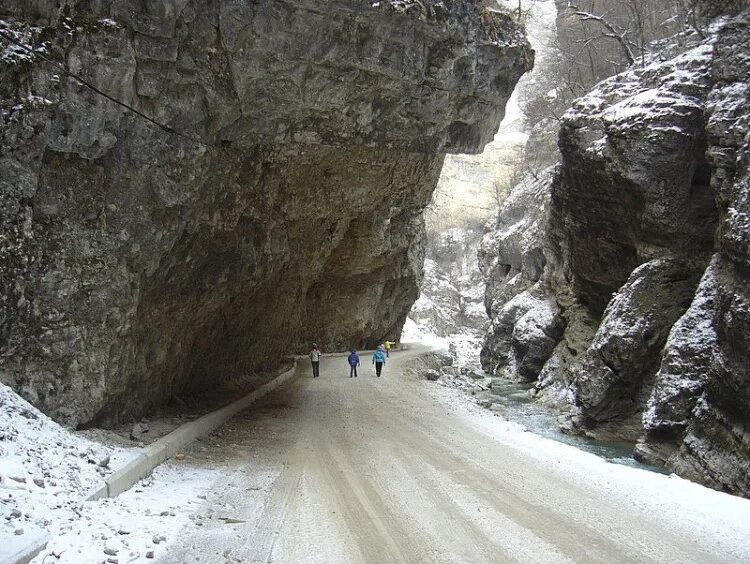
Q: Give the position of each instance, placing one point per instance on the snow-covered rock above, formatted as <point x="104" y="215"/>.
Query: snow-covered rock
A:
<point x="681" y="379"/>
<point x="613" y="380"/>
<point x="449" y="313"/>
<point x="525" y="322"/>
<point x="39" y="459"/>
<point x="511" y="258"/>
<point x="522" y="336"/>
<point x="634" y="180"/>
<point x="45" y="470"/>
<point x="439" y="301"/>
<point x="432" y="375"/>
<point x="701" y="401"/>
<point x="452" y="290"/>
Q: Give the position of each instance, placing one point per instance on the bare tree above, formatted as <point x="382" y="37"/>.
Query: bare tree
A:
<point x="609" y="31"/>
<point x="629" y="25"/>
<point x="595" y="39"/>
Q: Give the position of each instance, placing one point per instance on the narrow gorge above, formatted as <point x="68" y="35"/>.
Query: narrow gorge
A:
<point x="374" y="281"/>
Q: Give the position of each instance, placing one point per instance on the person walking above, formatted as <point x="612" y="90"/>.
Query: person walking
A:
<point x="378" y="359"/>
<point x="353" y="363"/>
<point x="387" y="345"/>
<point x="315" y="355"/>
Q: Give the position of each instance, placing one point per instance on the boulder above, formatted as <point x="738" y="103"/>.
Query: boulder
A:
<point x="432" y="375"/>
<point x="451" y="371"/>
<point x="138" y="430"/>
<point x="444" y="358"/>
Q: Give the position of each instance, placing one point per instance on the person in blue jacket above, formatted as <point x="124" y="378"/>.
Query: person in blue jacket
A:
<point x="353" y="363"/>
<point x="378" y="359"/>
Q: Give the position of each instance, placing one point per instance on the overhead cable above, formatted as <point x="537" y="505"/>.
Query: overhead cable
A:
<point x="93" y="88"/>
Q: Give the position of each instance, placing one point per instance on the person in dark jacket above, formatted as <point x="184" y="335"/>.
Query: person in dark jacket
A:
<point x="378" y="359"/>
<point x="315" y="355"/>
<point x="353" y="363"/>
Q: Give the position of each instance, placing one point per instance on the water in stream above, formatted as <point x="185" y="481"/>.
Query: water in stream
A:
<point x="516" y="405"/>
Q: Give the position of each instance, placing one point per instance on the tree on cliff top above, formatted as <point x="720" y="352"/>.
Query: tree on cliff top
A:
<point x="595" y="39"/>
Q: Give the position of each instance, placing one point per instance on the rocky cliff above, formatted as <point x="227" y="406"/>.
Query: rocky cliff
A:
<point x="262" y="190"/>
<point x="526" y="323"/>
<point x="646" y="262"/>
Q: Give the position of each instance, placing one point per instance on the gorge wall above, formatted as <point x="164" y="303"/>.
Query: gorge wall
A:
<point x="621" y="285"/>
<point x="279" y="204"/>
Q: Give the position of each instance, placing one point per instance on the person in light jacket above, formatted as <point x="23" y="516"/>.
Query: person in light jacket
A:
<point x="378" y="359"/>
<point x="353" y="363"/>
<point x="315" y="355"/>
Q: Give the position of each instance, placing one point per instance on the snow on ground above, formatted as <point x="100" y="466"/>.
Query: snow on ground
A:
<point x="464" y="346"/>
<point x="715" y="517"/>
<point x="41" y="459"/>
<point x="465" y="349"/>
<point x="413" y="333"/>
<point x="135" y="526"/>
<point x="46" y="471"/>
<point x="144" y="521"/>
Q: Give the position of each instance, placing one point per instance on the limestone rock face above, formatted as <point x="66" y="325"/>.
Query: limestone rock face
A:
<point x="512" y="258"/>
<point x="647" y="252"/>
<point x="452" y="294"/>
<point x="526" y="324"/>
<point x="634" y="182"/>
<point x="279" y="204"/>
<point x="632" y="189"/>
<point x="613" y="380"/>
<point x="701" y="401"/>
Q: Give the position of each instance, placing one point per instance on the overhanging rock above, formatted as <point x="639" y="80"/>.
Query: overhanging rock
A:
<point x="137" y="262"/>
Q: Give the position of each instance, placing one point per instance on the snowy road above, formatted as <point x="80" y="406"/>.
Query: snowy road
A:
<point x="380" y="470"/>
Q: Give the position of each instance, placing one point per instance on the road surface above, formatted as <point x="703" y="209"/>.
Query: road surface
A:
<point x="375" y="470"/>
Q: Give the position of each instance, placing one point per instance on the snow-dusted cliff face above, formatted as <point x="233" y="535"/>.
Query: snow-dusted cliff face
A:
<point x="525" y="323"/>
<point x="643" y="323"/>
<point x="280" y="205"/>
<point x="451" y="298"/>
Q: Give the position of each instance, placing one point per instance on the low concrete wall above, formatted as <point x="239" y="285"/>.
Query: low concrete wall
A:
<point x="166" y="447"/>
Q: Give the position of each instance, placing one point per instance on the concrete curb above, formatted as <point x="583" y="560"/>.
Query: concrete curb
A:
<point x="17" y="553"/>
<point x="166" y="447"/>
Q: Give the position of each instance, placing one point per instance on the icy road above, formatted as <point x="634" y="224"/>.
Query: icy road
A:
<point x="381" y="470"/>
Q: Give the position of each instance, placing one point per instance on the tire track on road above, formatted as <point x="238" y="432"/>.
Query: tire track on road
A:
<point x="551" y="526"/>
